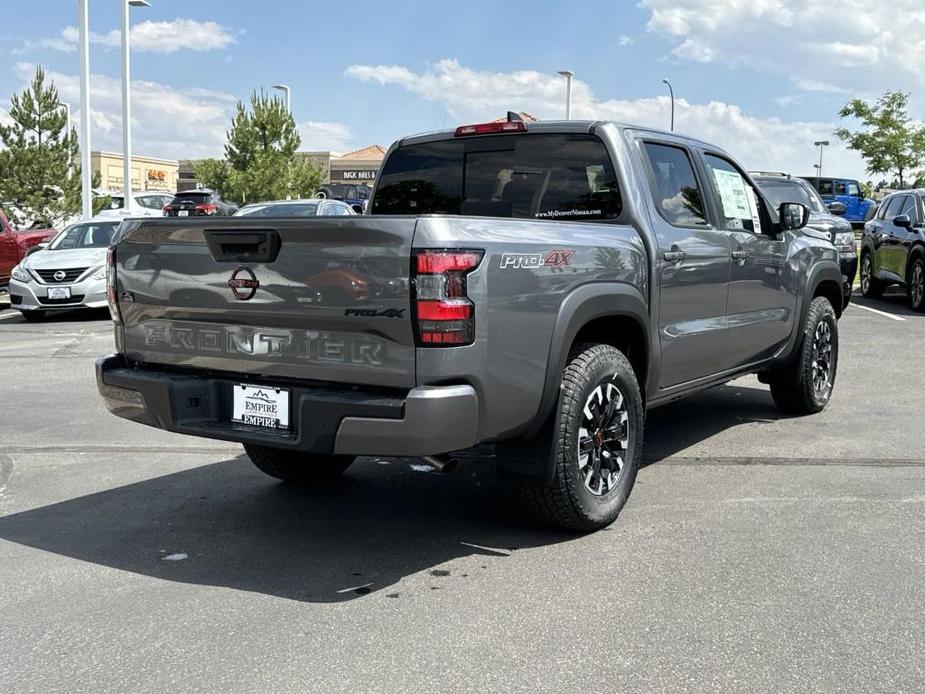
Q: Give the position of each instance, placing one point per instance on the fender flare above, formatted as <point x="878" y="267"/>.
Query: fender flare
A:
<point x="822" y="271"/>
<point x="585" y="304"/>
<point x="532" y="457"/>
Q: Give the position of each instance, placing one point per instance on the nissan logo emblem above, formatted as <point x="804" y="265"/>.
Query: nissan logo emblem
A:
<point x="243" y="283"/>
<point x="59" y="275"/>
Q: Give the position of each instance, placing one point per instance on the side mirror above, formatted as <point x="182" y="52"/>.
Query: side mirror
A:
<point x="837" y="208"/>
<point x="902" y="220"/>
<point x="793" y="216"/>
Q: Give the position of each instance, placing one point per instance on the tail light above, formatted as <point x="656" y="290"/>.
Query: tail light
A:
<point x="515" y="126"/>
<point x="206" y="208"/>
<point x="445" y="317"/>
<point x="111" y="286"/>
<point x="167" y="210"/>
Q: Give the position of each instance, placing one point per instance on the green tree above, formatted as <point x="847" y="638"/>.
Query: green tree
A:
<point x="888" y="140"/>
<point x="260" y="154"/>
<point x="40" y="166"/>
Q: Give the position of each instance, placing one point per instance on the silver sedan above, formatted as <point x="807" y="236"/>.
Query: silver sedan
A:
<point x="68" y="273"/>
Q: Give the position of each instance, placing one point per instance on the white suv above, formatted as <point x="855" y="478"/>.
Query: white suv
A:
<point x="145" y="203"/>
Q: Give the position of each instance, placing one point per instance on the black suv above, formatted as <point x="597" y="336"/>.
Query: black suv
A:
<point x="893" y="247"/>
<point x="781" y="187"/>
<point x="198" y="203"/>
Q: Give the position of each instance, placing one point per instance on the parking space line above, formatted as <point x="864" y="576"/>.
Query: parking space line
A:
<point x="879" y="313"/>
<point x="4" y="316"/>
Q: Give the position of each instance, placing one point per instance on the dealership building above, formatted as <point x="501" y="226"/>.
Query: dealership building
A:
<point x="148" y="173"/>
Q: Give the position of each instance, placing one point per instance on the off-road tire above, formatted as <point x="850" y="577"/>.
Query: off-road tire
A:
<point x="566" y="502"/>
<point x="295" y="466"/>
<point x="794" y="388"/>
<point x="33" y="316"/>
<point x="872" y="288"/>
<point x="915" y="284"/>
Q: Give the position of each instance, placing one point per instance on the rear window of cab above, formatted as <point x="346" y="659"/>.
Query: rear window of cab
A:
<point x="543" y="176"/>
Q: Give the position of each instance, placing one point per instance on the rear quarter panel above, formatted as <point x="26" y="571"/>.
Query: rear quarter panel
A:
<point x="528" y="270"/>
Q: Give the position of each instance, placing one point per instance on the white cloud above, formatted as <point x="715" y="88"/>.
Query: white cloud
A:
<point x="147" y="36"/>
<point x="320" y="136"/>
<point x="624" y="40"/>
<point x="475" y="96"/>
<point x="859" y="47"/>
<point x="166" y="122"/>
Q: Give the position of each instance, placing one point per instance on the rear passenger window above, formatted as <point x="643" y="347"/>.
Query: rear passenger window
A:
<point x="676" y="192"/>
<point x="825" y="187"/>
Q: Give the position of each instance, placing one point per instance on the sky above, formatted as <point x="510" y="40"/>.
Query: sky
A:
<point x="762" y="78"/>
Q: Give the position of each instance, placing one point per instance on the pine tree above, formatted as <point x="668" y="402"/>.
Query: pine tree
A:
<point x="34" y="166"/>
<point x="261" y="156"/>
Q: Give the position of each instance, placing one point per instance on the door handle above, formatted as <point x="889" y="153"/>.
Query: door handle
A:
<point x="740" y="256"/>
<point x="674" y="256"/>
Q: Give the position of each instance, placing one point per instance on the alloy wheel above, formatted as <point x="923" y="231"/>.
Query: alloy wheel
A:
<point x="865" y="274"/>
<point x="603" y="438"/>
<point x="822" y="358"/>
<point x="917" y="286"/>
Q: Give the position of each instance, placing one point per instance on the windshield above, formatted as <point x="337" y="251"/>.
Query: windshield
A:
<point x="192" y="196"/>
<point x="560" y="176"/>
<point x="791" y="190"/>
<point x="91" y="235"/>
<point x="307" y="209"/>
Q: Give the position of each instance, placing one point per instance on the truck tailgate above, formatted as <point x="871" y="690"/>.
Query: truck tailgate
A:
<point x="317" y="299"/>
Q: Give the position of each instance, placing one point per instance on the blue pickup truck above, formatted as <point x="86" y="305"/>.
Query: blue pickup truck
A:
<point x="847" y="191"/>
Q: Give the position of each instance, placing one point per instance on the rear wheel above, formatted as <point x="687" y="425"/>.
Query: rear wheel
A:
<point x="597" y="443"/>
<point x="871" y="287"/>
<point x="915" y="286"/>
<point x="805" y="385"/>
<point x="295" y="466"/>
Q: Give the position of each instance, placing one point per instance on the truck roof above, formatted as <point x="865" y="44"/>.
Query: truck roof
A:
<point x="556" y="126"/>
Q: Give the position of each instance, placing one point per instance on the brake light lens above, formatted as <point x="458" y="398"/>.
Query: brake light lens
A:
<point x="515" y="126"/>
<point x="444" y="315"/>
<point x="114" y="312"/>
<point x="206" y="208"/>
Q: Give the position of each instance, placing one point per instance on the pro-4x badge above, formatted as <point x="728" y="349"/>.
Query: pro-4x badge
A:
<point x="558" y="258"/>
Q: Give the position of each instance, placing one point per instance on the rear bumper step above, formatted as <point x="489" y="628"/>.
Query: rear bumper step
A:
<point x="428" y="420"/>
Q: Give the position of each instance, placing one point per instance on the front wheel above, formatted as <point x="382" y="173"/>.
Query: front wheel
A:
<point x="917" y="284"/>
<point x="805" y="385"/>
<point x="295" y="466"/>
<point x="597" y="442"/>
<point x="33" y="316"/>
<point x="871" y="287"/>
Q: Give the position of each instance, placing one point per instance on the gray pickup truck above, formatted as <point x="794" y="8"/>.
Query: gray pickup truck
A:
<point x="538" y="286"/>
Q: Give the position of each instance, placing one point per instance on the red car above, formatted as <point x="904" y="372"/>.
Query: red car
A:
<point x="14" y="245"/>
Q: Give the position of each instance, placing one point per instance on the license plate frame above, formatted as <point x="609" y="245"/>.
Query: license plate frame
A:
<point x="183" y="213"/>
<point x="59" y="293"/>
<point x="264" y="407"/>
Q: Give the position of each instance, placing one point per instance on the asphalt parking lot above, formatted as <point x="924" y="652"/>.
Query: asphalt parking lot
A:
<point x="756" y="554"/>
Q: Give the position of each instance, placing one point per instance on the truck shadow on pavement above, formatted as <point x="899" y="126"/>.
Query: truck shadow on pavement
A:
<point x="240" y="529"/>
<point x="226" y="524"/>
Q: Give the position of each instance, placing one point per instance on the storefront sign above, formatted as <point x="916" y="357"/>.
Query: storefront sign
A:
<point x="358" y="174"/>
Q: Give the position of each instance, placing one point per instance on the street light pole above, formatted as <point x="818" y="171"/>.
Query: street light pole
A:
<point x="286" y="90"/>
<point x="671" y="93"/>
<point x="127" y="103"/>
<point x="820" y="144"/>
<point x="568" y="75"/>
<point x="86" y="201"/>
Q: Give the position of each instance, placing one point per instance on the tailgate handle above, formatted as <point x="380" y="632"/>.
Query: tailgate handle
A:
<point x="243" y="246"/>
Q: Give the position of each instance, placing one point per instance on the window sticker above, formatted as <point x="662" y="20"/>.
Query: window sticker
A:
<point x="732" y="192"/>
<point x="753" y="207"/>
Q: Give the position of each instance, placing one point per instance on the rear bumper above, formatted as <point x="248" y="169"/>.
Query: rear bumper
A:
<point x="426" y="421"/>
